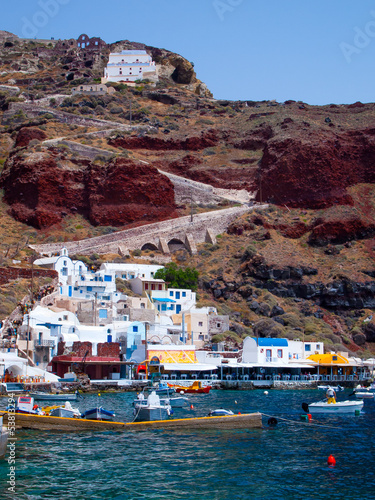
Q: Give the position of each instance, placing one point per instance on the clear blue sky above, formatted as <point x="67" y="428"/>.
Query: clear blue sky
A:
<point x="319" y="52"/>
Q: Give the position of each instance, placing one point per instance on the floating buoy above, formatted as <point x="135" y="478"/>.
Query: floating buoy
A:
<point x="235" y="402"/>
<point x="331" y="460"/>
<point x="191" y="407"/>
<point x="272" y="421"/>
<point x="99" y="394"/>
<point x="239" y="413"/>
<point x="266" y="392"/>
<point x="309" y="416"/>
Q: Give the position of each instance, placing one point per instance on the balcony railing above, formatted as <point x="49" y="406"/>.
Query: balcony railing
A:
<point x="44" y="343"/>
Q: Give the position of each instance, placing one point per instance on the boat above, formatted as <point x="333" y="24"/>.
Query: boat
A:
<point x="11" y="387"/>
<point x="4" y="435"/>
<point x="66" y="411"/>
<point x="220" y="413"/>
<point x="178" y="401"/>
<point x="363" y="394"/>
<point x="162" y="389"/>
<point x="25" y="404"/>
<point x="336" y="388"/>
<point x="152" y="408"/>
<point x="58" y="396"/>
<point x="195" y="388"/>
<point x="338" y="407"/>
<point x="98" y="413"/>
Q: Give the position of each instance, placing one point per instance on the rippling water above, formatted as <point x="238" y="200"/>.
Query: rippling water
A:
<point x="285" y="462"/>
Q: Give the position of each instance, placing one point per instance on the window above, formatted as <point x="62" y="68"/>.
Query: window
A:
<point x="200" y="323"/>
<point x="164" y="307"/>
<point x="107" y="278"/>
<point x="307" y="347"/>
<point x="318" y="346"/>
<point x="269" y="354"/>
<point x="89" y="288"/>
<point x="160" y="287"/>
<point x="170" y="293"/>
<point x="123" y="276"/>
<point x="218" y="325"/>
<point x="184" y="294"/>
<point x="146" y="286"/>
<point x="135" y="329"/>
<point x="102" y="313"/>
<point x="152" y="286"/>
<point x="65" y="317"/>
<point x="279" y="353"/>
<point x="142" y="305"/>
<point x="64" y="271"/>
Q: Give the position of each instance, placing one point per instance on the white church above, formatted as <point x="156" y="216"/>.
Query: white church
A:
<point x="128" y="66"/>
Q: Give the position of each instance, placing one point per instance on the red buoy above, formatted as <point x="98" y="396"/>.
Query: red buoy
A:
<point x="331" y="460"/>
<point x="191" y="407"/>
<point x="309" y="416"/>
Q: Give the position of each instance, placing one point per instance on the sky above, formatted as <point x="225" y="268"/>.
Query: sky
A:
<point x="318" y="52"/>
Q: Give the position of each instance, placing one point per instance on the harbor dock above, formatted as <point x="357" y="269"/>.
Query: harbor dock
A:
<point x="42" y="422"/>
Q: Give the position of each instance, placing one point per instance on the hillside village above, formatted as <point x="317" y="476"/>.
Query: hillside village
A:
<point x="88" y="326"/>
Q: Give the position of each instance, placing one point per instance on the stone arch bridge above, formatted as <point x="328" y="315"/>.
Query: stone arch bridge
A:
<point x="166" y="236"/>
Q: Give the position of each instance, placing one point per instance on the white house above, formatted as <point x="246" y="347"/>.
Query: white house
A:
<point x="129" y="271"/>
<point x="128" y="66"/>
<point x="69" y="270"/>
<point x="173" y="300"/>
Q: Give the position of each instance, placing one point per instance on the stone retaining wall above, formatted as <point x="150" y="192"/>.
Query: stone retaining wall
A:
<point x="12" y="273"/>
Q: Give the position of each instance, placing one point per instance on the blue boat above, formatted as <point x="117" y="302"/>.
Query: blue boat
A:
<point x="98" y="413"/>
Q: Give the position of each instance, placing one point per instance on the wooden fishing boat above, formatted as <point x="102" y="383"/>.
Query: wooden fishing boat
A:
<point x="195" y="388"/>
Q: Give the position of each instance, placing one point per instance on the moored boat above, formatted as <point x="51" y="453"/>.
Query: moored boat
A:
<point x="220" y="412"/>
<point x="58" y="396"/>
<point x="151" y="409"/>
<point x="195" y="388"/>
<point x="98" y="413"/>
<point x="341" y="407"/>
<point x="25" y="404"/>
<point x="364" y="394"/>
<point x="66" y="411"/>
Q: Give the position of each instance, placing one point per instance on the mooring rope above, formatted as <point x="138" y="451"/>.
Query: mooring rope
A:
<point x="300" y="422"/>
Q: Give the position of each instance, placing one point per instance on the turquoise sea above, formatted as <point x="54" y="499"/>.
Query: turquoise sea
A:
<point x="288" y="461"/>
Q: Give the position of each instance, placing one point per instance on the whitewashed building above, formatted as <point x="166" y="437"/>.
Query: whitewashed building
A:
<point x="129" y="271"/>
<point x="128" y="66"/>
<point x="69" y="270"/>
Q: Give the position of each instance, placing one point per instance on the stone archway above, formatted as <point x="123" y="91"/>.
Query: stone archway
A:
<point x="175" y="244"/>
<point x="149" y="246"/>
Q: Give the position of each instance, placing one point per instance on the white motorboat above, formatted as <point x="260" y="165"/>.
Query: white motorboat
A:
<point x="58" y="396"/>
<point x="173" y="401"/>
<point x="334" y="387"/>
<point x="4" y="435"/>
<point x="220" y="413"/>
<point x="363" y="394"/>
<point x="151" y="408"/>
<point x="338" y="407"/>
<point x="66" y="411"/>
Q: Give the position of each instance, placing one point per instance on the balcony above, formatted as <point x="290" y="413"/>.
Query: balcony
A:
<point x="44" y="343"/>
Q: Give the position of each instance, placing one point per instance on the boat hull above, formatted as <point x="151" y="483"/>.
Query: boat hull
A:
<point x="53" y="397"/>
<point x="98" y="414"/>
<point x="341" y="407"/>
<point x="144" y="414"/>
<point x="64" y="412"/>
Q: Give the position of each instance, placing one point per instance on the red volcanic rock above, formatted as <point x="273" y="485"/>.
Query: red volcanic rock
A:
<point x="126" y="191"/>
<point x="339" y="231"/>
<point x="314" y="171"/>
<point x="293" y="231"/>
<point x="45" y="187"/>
<point x="206" y="140"/>
<point x="27" y="134"/>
